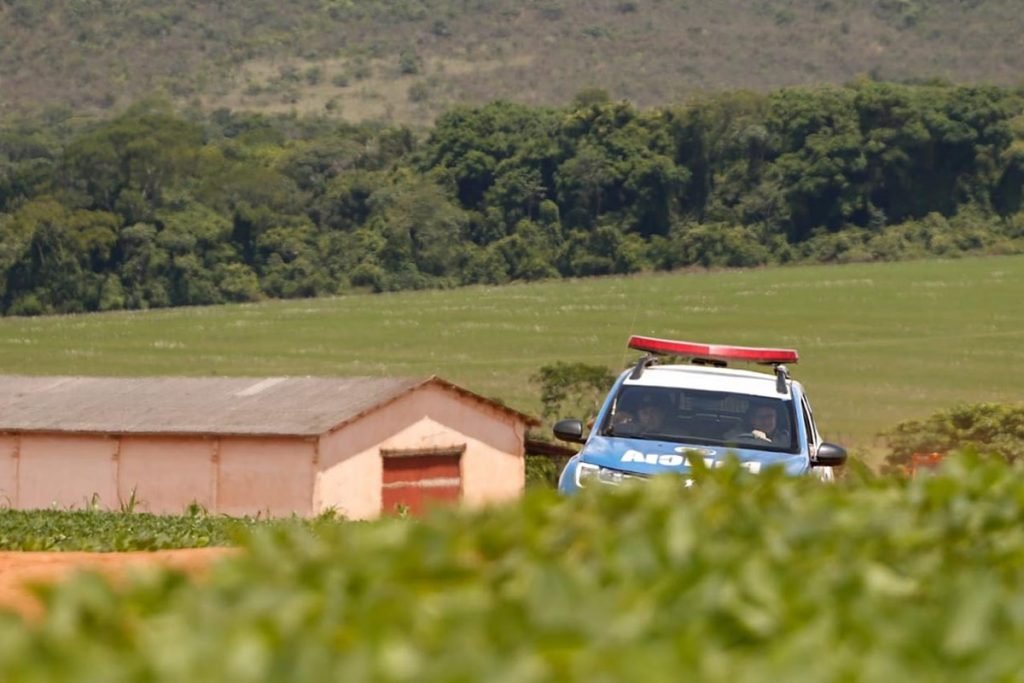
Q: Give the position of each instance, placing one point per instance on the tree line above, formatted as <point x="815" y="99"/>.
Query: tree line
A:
<point x="159" y="207"/>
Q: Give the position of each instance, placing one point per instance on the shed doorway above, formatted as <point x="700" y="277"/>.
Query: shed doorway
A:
<point x="414" y="480"/>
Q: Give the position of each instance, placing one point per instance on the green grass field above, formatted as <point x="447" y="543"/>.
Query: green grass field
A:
<point x="879" y="343"/>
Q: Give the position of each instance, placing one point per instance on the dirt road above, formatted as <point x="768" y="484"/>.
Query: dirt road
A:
<point x="19" y="568"/>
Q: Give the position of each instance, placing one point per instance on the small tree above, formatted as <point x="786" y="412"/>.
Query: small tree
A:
<point x="573" y="389"/>
<point x="567" y="390"/>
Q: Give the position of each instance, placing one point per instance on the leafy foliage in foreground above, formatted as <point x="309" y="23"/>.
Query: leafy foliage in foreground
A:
<point x="738" y="579"/>
<point x="97" y="531"/>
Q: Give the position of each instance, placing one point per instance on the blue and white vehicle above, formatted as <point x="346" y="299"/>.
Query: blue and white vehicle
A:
<point x="656" y="415"/>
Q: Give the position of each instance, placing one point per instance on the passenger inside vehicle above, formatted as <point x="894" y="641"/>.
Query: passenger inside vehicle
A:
<point x="641" y="413"/>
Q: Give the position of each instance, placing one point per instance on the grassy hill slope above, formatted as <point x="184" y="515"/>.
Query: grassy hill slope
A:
<point x="879" y="343"/>
<point x="405" y="60"/>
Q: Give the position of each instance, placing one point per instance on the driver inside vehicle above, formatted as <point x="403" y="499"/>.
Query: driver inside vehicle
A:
<point x="760" y="423"/>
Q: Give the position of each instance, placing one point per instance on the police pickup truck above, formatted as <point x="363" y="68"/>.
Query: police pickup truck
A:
<point x="656" y="416"/>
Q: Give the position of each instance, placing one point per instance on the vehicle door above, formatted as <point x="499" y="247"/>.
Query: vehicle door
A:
<point x="813" y="439"/>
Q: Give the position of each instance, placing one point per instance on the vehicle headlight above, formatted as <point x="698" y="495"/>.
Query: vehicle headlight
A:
<point x="587" y="474"/>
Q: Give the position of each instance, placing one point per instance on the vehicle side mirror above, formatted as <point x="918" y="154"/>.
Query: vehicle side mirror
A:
<point x="829" y="455"/>
<point x="569" y="430"/>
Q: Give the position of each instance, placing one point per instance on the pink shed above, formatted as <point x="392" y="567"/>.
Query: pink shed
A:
<point x="246" y="446"/>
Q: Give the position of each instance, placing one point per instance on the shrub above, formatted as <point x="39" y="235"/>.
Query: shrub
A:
<point x="361" y="70"/>
<point x="440" y="28"/>
<point x="991" y="429"/>
<point x="27" y="305"/>
<point x="313" y="75"/>
<point x="408" y="63"/>
<point x="572" y="389"/>
<point x="714" y="245"/>
<point x="419" y="92"/>
<point x="542" y="471"/>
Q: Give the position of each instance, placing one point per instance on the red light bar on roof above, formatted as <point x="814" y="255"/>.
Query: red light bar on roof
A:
<point x="715" y="352"/>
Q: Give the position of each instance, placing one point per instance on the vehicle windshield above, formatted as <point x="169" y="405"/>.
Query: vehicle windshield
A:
<point x="714" y="418"/>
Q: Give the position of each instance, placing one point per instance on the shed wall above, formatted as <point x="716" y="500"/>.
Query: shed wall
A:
<point x="66" y="471"/>
<point x="266" y="476"/>
<point x="228" y="475"/>
<point x="167" y="474"/>
<point x="350" y="474"/>
<point x="9" y="470"/>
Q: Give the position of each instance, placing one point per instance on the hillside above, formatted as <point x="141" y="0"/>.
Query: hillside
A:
<point x="407" y="60"/>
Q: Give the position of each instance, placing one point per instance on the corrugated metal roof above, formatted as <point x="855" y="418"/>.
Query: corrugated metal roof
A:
<point x="293" y="406"/>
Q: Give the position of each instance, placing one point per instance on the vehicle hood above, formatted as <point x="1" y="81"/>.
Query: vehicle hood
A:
<point x="649" y="458"/>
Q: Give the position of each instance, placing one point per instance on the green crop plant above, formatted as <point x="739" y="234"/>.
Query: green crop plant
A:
<point x="92" y="529"/>
<point x="739" y="578"/>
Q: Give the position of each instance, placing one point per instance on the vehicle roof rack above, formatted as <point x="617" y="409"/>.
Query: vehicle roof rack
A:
<point x="638" y="369"/>
<point x="781" y="375"/>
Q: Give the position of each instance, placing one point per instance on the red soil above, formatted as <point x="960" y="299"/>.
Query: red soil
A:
<point x="18" y="569"/>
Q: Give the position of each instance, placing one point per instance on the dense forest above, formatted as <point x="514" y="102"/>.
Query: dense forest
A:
<point x="160" y="206"/>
